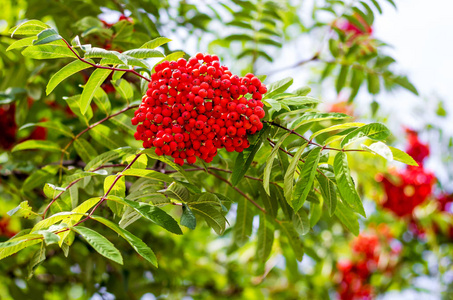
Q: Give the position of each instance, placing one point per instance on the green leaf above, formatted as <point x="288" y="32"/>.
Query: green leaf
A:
<point x="134" y="241"/>
<point x="244" y="159"/>
<point x="37" y="145"/>
<point x="100" y="244"/>
<point x="299" y="100"/>
<point x="328" y="192"/>
<point x="95" y="81"/>
<point x="265" y="239"/>
<point x="106" y="136"/>
<point x="336" y="127"/>
<point x="102" y="100"/>
<point x="68" y="70"/>
<point x="46" y="223"/>
<point x="315" y="213"/>
<point x="23" y="210"/>
<point x="341" y="79"/>
<point x="124" y="88"/>
<point x="49" y="237"/>
<point x="270" y="162"/>
<point x="48" y="52"/>
<point x="306" y="178"/>
<point x="354" y="20"/>
<point x="317" y="117"/>
<point x="303" y="91"/>
<point x="345" y="184"/>
<point x="239" y="37"/>
<point x="373" y="83"/>
<point x="178" y="192"/>
<point x="378" y="7"/>
<point x="21" y="43"/>
<point x="403" y="157"/>
<point x="159" y="41"/>
<point x="31" y="27"/>
<point x="380" y="149"/>
<point x="108" y="156"/>
<point x="374" y="131"/>
<point x="244" y="222"/>
<point x="300" y="222"/>
<point x="76" y="215"/>
<point x="119" y="190"/>
<point x="293" y="238"/>
<point x="187" y="217"/>
<point x="174" y="56"/>
<point x="143" y="53"/>
<point x="16" y="244"/>
<point x="73" y="103"/>
<point x="356" y="81"/>
<point x="348" y="218"/>
<point x="405" y="83"/>
<point x="171" y="163"/>
<point x="38" y="257"/>
<point x="212" y="215"/>
<point x="148" y="174"/>
<point x="153" y="214"/>
<point x="278" y="87"/>
<point x="46" y="36"/>
<point x="289" y="175"/>
<point x="84" y="149"/>
<point x="114" y="56"/>
<point x="55" y="126"/>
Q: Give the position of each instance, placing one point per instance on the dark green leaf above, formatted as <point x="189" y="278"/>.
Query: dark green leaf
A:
<point x="374" y="131"/>
<point x="265" y="239"/>
<point x="37" y="144"/>
<point x="300" y="222"/>
<point x="46" y="36"/>
<point x="187" y="217"/>
<point x="348" y="218"/>
<point x="134" y="241"/>
<point x="65" y="72"/>
<point x="48" y="52"/>
<point x="94" y="82"/>
<point x="293" y="238"/>
<point x="306" y="178"/>
<point x="403" y="157"/>
<point x="345" y="184"/>
<point x="100" y="244"/>
<point x="328" y="192"/>
<point x="245" y="158"/>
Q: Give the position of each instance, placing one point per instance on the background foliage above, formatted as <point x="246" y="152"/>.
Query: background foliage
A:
<point x="257" y="254"/>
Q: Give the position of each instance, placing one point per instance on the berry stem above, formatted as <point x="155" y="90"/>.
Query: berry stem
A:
<point x="310" y="142"/>
<point x="74" y="182"/>
<point x="89" y="128"/>
<point x="104" y="67"/>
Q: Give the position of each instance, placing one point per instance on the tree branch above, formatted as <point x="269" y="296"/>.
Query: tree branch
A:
<point x="104" y="67"/>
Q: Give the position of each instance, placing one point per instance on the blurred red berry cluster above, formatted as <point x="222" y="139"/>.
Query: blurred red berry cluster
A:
<point x="194" y="107"/>
<point x="371" y="253"/>
<point x="8" y="138"/>
<point x="410" y="187"/>
<point x="5" y="230"/>
<point x="351" y="28"/>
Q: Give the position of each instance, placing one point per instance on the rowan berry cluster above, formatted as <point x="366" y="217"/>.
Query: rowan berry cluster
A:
<point x="373" y="252"/>
<point x="195" y="107"/>
<point x="8" y="138"/>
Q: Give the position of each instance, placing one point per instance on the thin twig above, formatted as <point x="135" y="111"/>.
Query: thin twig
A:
<point x="118" y="176"/>
<point x="74" y="182"/>
<point x="104" y="67"/>
<point x="310" y="142"/>
<point x="91" y="127"/>
<point x="239" y="191"/>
